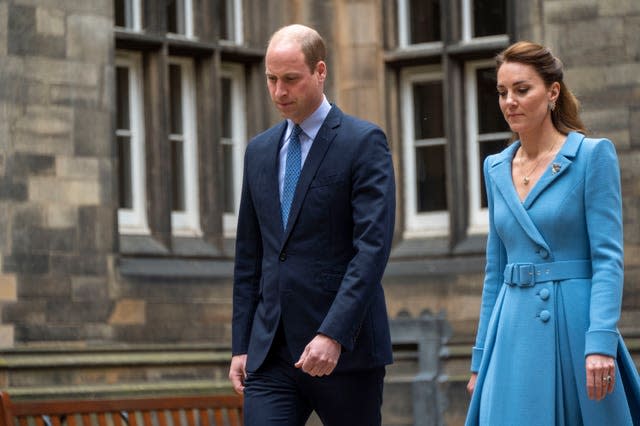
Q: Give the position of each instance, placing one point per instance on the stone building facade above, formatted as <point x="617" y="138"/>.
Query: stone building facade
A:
<point x="122" y="128"/>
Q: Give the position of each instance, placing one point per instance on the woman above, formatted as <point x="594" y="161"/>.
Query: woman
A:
<point x="548" y="351"/>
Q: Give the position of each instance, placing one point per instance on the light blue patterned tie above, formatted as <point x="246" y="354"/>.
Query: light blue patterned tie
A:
<point x="291" y="173"/>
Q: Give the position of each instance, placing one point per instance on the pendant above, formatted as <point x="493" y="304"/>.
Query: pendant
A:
<point x="525" y="180"/>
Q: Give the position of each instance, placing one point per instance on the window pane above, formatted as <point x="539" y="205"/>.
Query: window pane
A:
<point x="227" y="151"/>
<point x="124" y="171"/>
<point x="226" y="19"/>
<point x="425" y="21"/>
<point x="487" y="148"/>
<point x="489" y="17"/>
<point x="226" y="108"/>
<point x="490" y="118"/>
<point x="177" y="176"/>
<point x="175" y="16"/>
<point x="175" y="99"/>
<point x="120" y="12"/>
<point x="431" y="178"/>
<point x="427" y="103"/>
<point x="122" y="98"/>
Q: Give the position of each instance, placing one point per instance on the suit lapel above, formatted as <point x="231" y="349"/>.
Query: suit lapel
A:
<point x="271" y="169"/>
<point x="321" y="143"/>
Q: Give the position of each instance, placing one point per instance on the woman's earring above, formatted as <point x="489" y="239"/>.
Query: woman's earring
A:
<point x="552" y="106"/>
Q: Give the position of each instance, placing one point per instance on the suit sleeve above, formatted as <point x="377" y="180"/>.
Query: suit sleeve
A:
<point x="603" y="204"/>
<point x="496" y="260"/>
<point x="373" y="211"/>
<point x="248" y="266"/>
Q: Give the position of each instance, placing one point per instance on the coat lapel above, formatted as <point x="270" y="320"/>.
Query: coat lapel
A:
<point x="500" y="174"/>
<point x="321" y="143"/>
<point x="557" y="168"/>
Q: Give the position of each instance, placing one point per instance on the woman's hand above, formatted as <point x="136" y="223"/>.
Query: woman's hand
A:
<point x="601" y="376"/>
<point x="472" y="383"/>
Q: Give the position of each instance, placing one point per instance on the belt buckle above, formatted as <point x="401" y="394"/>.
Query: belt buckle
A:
<point x="526" y="275"/>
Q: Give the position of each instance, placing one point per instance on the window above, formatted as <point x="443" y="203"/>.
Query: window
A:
<point x="483" y="18"/>
<point x="183" y="150"/>
<point x="419" y="22"/>
<point x="231" y="29"/>
<point x="233" y="142"/>
<point x="487" y="133"/>
<point x="127" y="14"/>
<point x="424" y="152"/>
<point x="448" y="115"/>
<point x="180" y="17"/>
<point x="130" y="144"/>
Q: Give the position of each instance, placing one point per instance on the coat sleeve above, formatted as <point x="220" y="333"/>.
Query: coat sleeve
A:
<point x="603" y="210"/>
<point x="248" y="267"/>
<point x="373" y="210"/>
<point x="493" y="279"/>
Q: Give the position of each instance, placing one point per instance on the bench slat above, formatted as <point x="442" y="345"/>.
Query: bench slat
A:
<point x="157" y="411"/>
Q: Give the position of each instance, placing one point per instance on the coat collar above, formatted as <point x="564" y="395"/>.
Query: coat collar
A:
<point x="500" y="173"/>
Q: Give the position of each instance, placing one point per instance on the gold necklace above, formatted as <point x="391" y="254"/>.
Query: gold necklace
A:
<point x="525" y="177"/>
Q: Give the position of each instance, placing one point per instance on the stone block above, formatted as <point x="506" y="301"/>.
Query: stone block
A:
<point x="66" y="312"/>
<point x="8" y="288"/>
<point x="129" y="312"/>
<point x="25" y="164"/>
<point x="26" y="263"/>
<point x="92" y="133"/>
<point x="89" y="38"/>
<point x="43" y="130"/>
<point x="78" y="264"/>
<point x="50" y="22"/>
<point x="61" y="71"/>
<point x="7" y="339"/>
<point x="79" y="96"/>
<point x="5" y="221"/>
<point x="49" y="286"/>
<point x="11" y="189"/>
<point x="3" y="28"/>
<point x="23" y="37"/>
<point x="77" y="167"/>
<point x="89" y="288"/>
<point x="30" y="312"/>
<point x="61" y="215"/>
<point x="561" y="12"/>
<point x="97" y="229"/>
<point x="75" y="192"/>
<point x="619" y="8"/>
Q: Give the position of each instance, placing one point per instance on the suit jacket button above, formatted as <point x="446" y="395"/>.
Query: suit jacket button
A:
<point x="283" y="257"/>
<point x="544" y="316"/>
<point x="543" y="253"/>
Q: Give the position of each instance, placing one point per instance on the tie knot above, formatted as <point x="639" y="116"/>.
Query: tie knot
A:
<point x="295" y="133"/>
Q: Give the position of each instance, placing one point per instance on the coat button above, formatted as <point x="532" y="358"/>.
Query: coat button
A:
<point x="544" y="294"/>
<point x="283" y="256"/>
<point x="543" y="253"/>
<point x="544" y="316"/>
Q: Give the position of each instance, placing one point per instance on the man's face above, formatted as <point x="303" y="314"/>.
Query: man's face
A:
<point x="295" y="90"/>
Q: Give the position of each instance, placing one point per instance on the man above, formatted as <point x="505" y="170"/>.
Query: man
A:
<point x="310" y="327"/>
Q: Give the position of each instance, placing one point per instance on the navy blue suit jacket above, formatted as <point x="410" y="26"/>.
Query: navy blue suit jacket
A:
<point x="322" y="274"/>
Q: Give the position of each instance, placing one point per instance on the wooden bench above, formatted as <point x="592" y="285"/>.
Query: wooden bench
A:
<point x="215" y="410"/>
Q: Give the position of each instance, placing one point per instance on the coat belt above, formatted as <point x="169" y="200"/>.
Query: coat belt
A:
<point x="528" y="274"/>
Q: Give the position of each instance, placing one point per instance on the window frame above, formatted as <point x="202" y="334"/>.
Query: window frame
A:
<point x="236" y="21"/>
<point x="187" y="223"/>
<point x="467" y="30"/>
<point x="188" y="22"/>
<point x="404" y="30"/>
<point x="429" y="224"/>
<point x="478" y="216"/>
<point x="134" y="221"/>
<point x="235" y="72"/>
<point x="136" y="17"/>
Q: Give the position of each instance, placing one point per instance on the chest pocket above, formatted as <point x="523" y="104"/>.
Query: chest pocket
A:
<point x="328" y="179"/>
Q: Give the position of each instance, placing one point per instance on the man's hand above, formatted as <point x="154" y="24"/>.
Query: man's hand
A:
<point x="320" y="356"/>
<point x="237" y="373"/>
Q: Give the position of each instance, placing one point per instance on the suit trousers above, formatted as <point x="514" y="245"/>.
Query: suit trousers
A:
<point x="279" y="394"/>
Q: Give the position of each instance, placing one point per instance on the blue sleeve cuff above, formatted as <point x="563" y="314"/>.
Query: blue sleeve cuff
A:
<point x="476" y="359"/>
<point x="603" y="342"/>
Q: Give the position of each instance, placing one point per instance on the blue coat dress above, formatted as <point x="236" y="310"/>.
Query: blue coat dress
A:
<point x="552" y="294"/>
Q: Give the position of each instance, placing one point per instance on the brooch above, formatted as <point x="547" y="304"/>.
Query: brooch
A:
<point x="555" y="168"/>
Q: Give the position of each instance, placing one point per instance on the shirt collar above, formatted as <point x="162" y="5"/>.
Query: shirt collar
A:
<point x="311" y="125"/>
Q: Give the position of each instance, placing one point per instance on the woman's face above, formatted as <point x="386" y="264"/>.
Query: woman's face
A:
<point x="523" y="96"/>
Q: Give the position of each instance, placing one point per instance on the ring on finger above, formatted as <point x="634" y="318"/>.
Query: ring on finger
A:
<point x="606" y="379"/>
